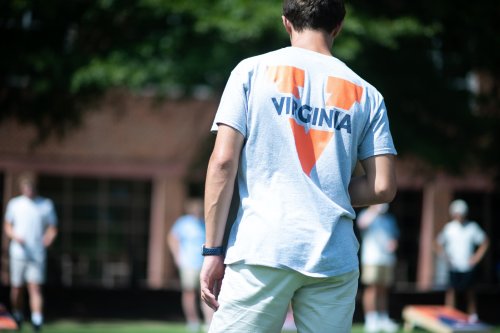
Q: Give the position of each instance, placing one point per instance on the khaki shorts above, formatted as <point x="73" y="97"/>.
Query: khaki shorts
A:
<point x="377" y="274"/>
<point x="190" y="278"/>
<point x="26" y="271"/>
<point x="255" y="299"/>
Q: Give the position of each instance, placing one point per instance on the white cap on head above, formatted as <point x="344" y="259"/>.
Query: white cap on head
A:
<point x="459" y="207"/>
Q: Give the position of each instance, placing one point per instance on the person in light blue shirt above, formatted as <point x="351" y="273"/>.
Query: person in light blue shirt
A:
<point x="379" y="234"/>
<point x="185" y="241"/>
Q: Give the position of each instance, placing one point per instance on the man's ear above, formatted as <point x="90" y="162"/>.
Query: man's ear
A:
<point x="337" y="29"/>
<point x="287" y="24"/>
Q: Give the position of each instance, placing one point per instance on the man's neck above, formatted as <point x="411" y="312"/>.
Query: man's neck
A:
<point x="313" y="40"/>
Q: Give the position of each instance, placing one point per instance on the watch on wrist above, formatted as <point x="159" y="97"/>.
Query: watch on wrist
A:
<point x="212" y="251"/>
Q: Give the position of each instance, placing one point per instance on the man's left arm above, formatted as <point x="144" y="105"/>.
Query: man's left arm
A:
<point x="481" y="250"/>
<point x="51" y="221"/>
<point x="377" y="185"/>
<point x="49" y="235"/>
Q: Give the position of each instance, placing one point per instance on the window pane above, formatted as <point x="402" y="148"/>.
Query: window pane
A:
<point x="103" y="230"/>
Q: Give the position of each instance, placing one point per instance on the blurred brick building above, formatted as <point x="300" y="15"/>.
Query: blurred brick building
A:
<point x="118" y="183"/>
<point x="120" y="179"/>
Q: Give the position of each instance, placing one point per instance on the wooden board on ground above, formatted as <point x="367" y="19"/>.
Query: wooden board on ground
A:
<point x="6" y="320"/>
<point x="440" y="319"/>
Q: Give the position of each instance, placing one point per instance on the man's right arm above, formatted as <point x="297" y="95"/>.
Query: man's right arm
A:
<point x="9" y="232"/>
<point x="377" y="185"/>
<point x="7" y="226"/>
<point x="221" y="173"/>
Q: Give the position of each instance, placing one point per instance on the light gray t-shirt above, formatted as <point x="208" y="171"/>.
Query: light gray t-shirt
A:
<point x="30" y="218"/>
<point x="306" y="119"/>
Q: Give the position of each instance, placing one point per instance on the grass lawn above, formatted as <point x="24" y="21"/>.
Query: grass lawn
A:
<point x="134" y="327"/>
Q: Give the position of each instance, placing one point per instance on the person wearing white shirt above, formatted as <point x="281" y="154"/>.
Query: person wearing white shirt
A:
<point x="31" y="225"/>
<point x="463" y="244"/>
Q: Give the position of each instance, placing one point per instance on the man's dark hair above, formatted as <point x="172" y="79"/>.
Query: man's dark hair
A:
<point x="323" y="15"/>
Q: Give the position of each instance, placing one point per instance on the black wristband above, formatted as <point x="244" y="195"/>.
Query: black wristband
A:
<point x="212" y="251"/>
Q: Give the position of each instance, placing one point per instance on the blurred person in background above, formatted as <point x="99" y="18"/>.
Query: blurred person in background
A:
<point x="379" y="234"/>
<point x="463" y="244"/>
<point x="185" y="241"/>
<point x="291" y="126"/>
<point x="31" y="226"/>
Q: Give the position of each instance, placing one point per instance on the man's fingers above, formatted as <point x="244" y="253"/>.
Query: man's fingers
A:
<point x="216" y="289"/>
<point x="210" y="280"/>
<point x="209" y="298"/>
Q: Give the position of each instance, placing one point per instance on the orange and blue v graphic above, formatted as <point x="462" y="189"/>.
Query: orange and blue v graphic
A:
<point x="310" y="143"/>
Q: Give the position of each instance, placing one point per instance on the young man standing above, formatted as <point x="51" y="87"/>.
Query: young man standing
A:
<point x="291" y="126"/>
<point x="185" y="240"/>
<point x="31" y="225"/>
<point x="464" y="244"/>
<point x="379" y="241"/>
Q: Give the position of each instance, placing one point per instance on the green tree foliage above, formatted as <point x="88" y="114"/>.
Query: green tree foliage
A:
<point x="57" y="56"/>
<point x="426" y="80"/>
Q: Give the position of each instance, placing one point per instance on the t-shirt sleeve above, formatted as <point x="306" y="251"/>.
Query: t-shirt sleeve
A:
<point x="9" y="213"/>
<point x="377" y="138"/>
<point x="479" y="234"/>
<point x="51" y="218"/>
<point x="177" y="227"/>
<point x="441" y="237"/>
<point x="233" y="106"/>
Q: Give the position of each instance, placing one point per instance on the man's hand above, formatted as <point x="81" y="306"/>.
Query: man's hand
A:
<point x="211" y="276"/>
<point x="9" y="231"/>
